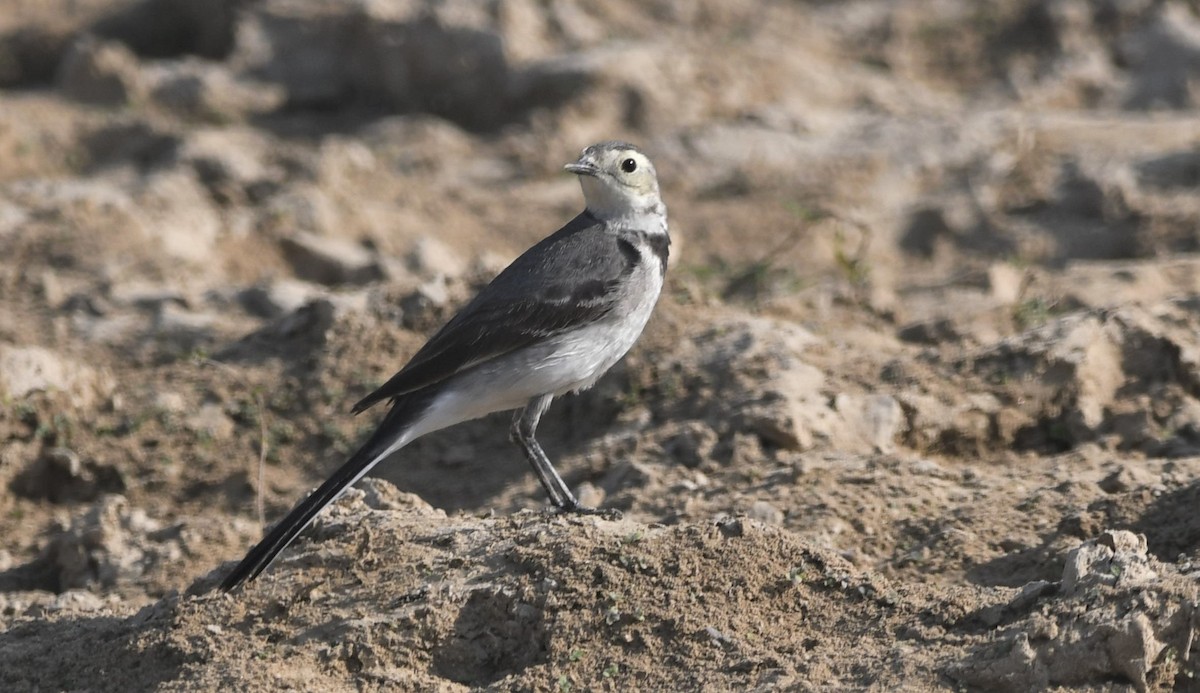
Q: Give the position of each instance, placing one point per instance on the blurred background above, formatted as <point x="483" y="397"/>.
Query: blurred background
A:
<point x="800" y="142"/>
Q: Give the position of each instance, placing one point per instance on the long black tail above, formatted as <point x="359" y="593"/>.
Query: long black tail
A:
<point x="396" y="424"/>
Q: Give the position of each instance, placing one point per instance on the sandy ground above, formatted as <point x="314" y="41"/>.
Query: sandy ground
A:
<point x="919" y="408"/>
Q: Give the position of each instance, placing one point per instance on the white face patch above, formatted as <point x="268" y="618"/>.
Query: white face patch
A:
<point x="608" y="198"/>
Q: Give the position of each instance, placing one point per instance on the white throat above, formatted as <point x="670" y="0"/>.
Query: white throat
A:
<point x="608" y="203"/>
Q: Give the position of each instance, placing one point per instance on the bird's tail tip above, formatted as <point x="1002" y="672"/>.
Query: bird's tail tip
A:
<point x="236" y="579"/>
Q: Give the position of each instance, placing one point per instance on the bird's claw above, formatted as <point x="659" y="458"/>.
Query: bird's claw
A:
<point x="611" y="514"/>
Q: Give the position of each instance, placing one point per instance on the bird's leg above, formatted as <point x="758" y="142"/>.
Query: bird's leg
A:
<point x="524" y="427"/>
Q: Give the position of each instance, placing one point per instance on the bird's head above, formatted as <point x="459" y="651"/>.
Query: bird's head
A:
<point x="618" y="180"/>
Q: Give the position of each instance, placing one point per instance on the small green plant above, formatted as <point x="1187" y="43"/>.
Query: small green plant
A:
<point x="283" y="432"/>
<point x="632" y="563"/>
<point x="632" y="395"/>
<point x="1032" y="312"/>
<point x="853" y="264"/>
<point x="612" y="613"/>
<point x="25" y="412"/>
<point x="705" y="273"/>
<point x="58" y="430"/>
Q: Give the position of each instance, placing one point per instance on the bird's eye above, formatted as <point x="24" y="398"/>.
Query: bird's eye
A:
<point x="629" y="166"/>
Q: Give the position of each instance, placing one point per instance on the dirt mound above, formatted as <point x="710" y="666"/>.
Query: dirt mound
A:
<point x="386" y="591"/>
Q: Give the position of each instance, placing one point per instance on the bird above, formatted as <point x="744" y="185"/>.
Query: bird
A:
<point x="551" y="323"/>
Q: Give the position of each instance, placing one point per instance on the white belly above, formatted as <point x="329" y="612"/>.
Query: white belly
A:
<point x="568" y="363"/>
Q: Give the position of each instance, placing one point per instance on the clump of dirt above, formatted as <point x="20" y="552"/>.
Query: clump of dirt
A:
<point x="388" y="591"/>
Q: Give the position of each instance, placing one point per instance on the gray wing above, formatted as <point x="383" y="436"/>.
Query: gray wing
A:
<point x="565" y="281"/>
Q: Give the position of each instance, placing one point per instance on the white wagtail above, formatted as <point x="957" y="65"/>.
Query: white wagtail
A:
<point x="551" y="323"/>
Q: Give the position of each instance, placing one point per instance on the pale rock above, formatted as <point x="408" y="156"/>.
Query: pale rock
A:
<point x="342" y="157"/>
<point x="76" y="601"/>
<point x="425" y="298"/>
<point x="1127" y="478"/>
<point x="145" y="294"/>
<point x="182" y="325"/>
<point x="430" y="257"/>
<point x="1079" y="358"/>
<point x="579" y="27"/>
<point x="489" y="263"/>
<point x="305" y="47"/>
<point x="279" y="297"/>
<point x="330" y="260"/>
<point x="52" y="288"/>
<point x="106" y="545"/>
<point x="210" y="420"/>
<point x="871" y="419"/>
<point x="1005" y="282"/>
<point x="302" y="208"/>
<point x="1116" y="557"/>
<point x="346" y="302"/>
<point x="379" y="494"/>
<point x="524" y="24"/>
<point x="99" y="72"/>
<point x="180" y="215"/>
<point x="208" y="90"/>
<point x="1099" y="374"/>
<point x="928" y="418"/>
<point x="169" y="401"/>
<point x="32" y="369"/>
<point x="589" y="495"/>
<point x="238" y="156"/>
<point x="114" y="329"/>
<point x="12" y="217"/>
<point x="765" y="512"/>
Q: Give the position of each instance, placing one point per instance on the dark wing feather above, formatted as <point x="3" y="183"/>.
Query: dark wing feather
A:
<point x="564" y="281"/>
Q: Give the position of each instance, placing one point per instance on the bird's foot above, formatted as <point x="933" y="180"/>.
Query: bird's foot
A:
<point x="606" y="513"/>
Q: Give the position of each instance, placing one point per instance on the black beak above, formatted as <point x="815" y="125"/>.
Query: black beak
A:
<point x="583" y="167"/>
